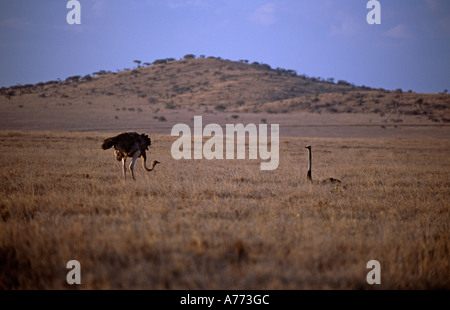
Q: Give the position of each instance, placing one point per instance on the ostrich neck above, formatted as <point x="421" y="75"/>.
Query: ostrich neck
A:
<point x="309" y="164"/>
<point x="144" y="162"/>
<point x="310" y="160"/>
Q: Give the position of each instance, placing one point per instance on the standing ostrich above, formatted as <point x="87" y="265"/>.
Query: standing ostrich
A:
<point x="130" y="144"/>
<point x="309" y="176"/>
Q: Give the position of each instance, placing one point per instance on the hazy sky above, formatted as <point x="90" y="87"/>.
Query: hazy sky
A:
<point x="410" y="49"/>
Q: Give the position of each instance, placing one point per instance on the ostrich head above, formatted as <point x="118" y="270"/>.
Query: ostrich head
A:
<point x="308" y="147"/>
<point x="154" y="163"/>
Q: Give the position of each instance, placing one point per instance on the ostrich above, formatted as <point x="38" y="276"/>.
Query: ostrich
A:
<point x="130" y="144"/>
<point x="309" y="176"/>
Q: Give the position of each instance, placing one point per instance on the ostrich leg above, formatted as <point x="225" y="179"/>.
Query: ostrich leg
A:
<point x="124" y="167"/>
<point x="133" y="161"/>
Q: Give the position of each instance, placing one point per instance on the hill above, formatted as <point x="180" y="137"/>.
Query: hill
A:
<point x="207" y="86"/>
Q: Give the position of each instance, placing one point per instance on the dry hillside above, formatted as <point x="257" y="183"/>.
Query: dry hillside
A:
<point x="208" y="86"/>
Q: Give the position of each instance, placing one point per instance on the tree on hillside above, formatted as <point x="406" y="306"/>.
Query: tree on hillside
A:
<point x="138" y="63"/>
<point x="160" y="61"/>
<point x="74" y="78"/>
<point x="291" y="72"/>
<point x="101" y="72"/>
<point x="343" y="82"/>
<point x="189" y="56"/>
<point x="265" y="66"/>
<point x="87" y="77"/>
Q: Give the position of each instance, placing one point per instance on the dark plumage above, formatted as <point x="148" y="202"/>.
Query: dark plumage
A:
<point x="125" y="142"/>
<point x="130" y="144"/>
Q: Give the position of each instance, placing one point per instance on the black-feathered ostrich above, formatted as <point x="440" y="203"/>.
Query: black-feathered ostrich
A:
<point x="309" y="176"/>
<point x="130" y="144"/>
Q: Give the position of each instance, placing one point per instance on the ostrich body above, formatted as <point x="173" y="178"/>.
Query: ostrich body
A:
<point x="130" y="144"/>
<point x="309" y="175"/>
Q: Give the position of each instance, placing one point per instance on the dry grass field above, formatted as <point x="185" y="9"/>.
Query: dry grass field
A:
<point x="224" y="224"/>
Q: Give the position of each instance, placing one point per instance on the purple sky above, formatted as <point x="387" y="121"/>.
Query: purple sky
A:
<point x="410" y="48"/>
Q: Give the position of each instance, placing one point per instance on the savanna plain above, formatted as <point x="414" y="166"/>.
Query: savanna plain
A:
<point x="224" y="224"/>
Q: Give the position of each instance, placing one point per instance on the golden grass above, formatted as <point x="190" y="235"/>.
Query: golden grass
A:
<point x="224" y="224"/>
